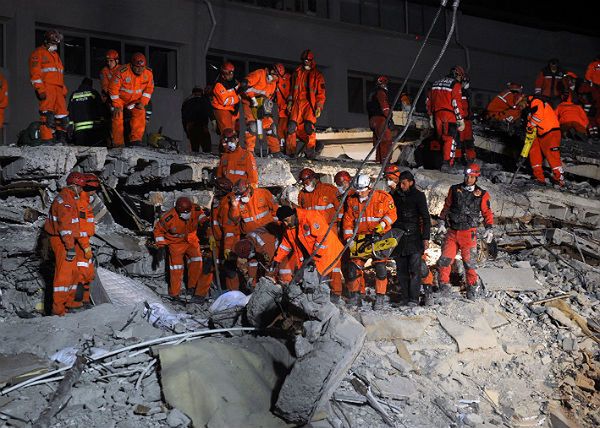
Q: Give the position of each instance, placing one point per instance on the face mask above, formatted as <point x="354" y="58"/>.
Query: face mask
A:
<point x="245" y="199"/>
<point x="341" y="189"/>
<point x="52" y="48"/>
<point x="391" y="183"/>
<point x="269" y="78"/>
<point x="231" y="146"/>
<point x="306" y="67"/>
<point x="470" y="188"/>
<point x="309" y="187"/>
<point x="185" y="216"/>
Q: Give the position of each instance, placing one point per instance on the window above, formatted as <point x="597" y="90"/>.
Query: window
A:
<point x="356" y="95"/>
<point x="393" y="15"/>
<point x="164" y="66"/>
<point x="360" y="86"/>
<point x="74" y="57"/>
<point x="1" y="44"/>
<point x="307" y="7"/>
<point x="365" y="12"/>
<point x="243" y="65"/>
<point x="98" y="48"/>
<point x="130" y="50"/>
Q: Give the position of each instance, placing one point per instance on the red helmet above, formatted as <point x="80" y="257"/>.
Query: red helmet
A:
<point x="183" y="205"/>
<point x="571" y="75"/>
<point x="228" y="135"/>
<point x="243" y="248"/>
<point x="342" y="177"/>
<point x="279" y="69"/>
<point x="515" y="87"/>
<point x="227" y="69"/>
<point x="138" y="59"/>
<point x="224" y="184"/>
<point x="391" y="169"/>
<point x="458" y="72"/>
<point x="112" y="54"/>
<point x="241" y="187"/>
<point x="77" y="179"/>
<point x="473" y="170"/>
<point x="382" y="80"/>
<point x="308" y="58"/>
<point x="52" y="37"/>
<point x="91" y="180"/>
<point x="306" y="174"/>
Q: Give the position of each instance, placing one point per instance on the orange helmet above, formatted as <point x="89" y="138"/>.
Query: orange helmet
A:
<point x="183" y="205"/>
<point x="308" y="58"/>
<point x="91" y="180"/>
<point x="227" y="69"/>
<point x="76" y="178"/>
<point x="138" y="59"/>
<point x="306" y="174"/>
<point x="52" y="37"/>
<point x="391" y="169"/>
<point x="279" y="69"/>
<point x="382" y="80"/>
<point x="112" y="54"/>
<point x="473" y="170"/>
<point x="342" y="177"/>
<point x="458" y="72"/>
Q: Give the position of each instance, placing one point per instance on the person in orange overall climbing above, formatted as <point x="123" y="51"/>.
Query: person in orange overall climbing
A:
<point x="378" y="108"/>
<point x="281" y="97"/>
<point x="236" y="162"/>
<point x="225" y="99"/>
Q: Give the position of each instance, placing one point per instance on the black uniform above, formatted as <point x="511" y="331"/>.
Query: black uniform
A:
<point x="195" y="114"/>
<point x="88" y="117"/>
<point x="413" y="219"/>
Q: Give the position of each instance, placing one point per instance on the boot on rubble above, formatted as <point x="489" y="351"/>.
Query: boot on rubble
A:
<point x="379" y="299"/>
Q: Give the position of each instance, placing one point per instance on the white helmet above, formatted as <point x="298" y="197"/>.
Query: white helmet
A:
<point x="363" y="181"/>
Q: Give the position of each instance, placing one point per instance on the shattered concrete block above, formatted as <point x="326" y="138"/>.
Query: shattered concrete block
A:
<point x="274" y="172"/>
<point x="123" y="291"/>
<point x="508" y="279"/>
<point x="315" y="305"/>
<point x="387" y="327"/>
<point x="91" y="159"/>
<point x="302" y="346"/>
<point x="263" y="306"/>
<point x="474" y="335"/>
<point x="36" y="162"/>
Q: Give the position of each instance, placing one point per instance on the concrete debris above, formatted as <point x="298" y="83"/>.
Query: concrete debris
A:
<point x="124" y="291"/>
<point x="385" y="327"/>
<point x="508" y="279"/>
<point x="475" y="335"/>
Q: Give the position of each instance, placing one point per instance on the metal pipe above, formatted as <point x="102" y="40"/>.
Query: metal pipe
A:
<point x="212" y="29"/>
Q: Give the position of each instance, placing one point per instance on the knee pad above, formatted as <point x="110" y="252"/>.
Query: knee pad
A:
<point x="309" y="127"/>
<point x="292" y="126"/>
<point x="472" y="262"/>
<point x="352" y="271"/>
<point x="380" y="270"/>
<point x="444" y="261"/>
<point x="50" y="119"/>
<point x="252" y="128"/>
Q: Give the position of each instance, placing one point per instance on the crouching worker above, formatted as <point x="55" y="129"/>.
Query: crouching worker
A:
<point x="176" y="229"/>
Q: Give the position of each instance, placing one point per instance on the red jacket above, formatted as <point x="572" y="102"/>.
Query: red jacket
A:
<point x="446" y="95"/>
<point x="504" y="105"/>
<point x="462" y="209"/>
<point x="547" y="82"/>
<point x="592" y="73"/>
<point x="567" y="112"/>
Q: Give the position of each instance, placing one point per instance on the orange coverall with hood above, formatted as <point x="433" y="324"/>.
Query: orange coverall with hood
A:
<point x="282" y="93"/>
<point x="63" y="226"/>
<point x="226" y="232"/>
<point x="259" y="86"/>
<point x="87" y="229"/>
<point x="381" y="209"/>
<point x="504" y="107"/>
<point x="240" y="163"/>
<point x="547" y="141"/>
<point x="225" y="103"/>
<point x="126" y="90"/>
<point x="571" y="115"/>
<point x="323" y="199"/>
<point x="260" y="210"/>
<point x="182" y="240"/>
<point x="307" y="95"/>
<point x="46" y="72"/>
<point x="106" y="76"/>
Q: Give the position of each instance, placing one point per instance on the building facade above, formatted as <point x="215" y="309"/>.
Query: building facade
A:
<point x="353" y="41"/>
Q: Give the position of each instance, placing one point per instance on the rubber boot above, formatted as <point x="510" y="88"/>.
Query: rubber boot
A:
<point x="445" y="289"/>
<point x="379" y="299"/>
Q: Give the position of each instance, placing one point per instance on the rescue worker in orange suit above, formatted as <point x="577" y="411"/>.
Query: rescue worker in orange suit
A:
<point x="227" y="232"/>
<point x="444" y="106"/>
<point x="378" y="108"/>
<point x="257" y="91"/>
<point x="236" y="162"/>
<point x="196" y="113"/>
<point x="322" y="197"/>
<point x="306" y="232"/>
<point x="3" y="98"/>
<point x="342" y="180"/>
<point x="87" y="229"/>
<point x="547" y="82"/>
<point x="543" y="134"/>
<point x="377" y="219"/>
<point x="465" y="204"/>
<point x="63" y="227"/>
<point x="130" y="92"/>
<point x="466" y="148"/>
<point x="573" y="120"/>
<point x="225" y="99"/>
<point x="108" y="72"/>
<point x="281" y="97"/>
<point x="413" y="219"/>
<point x="504" y="107"/>
<point x="46" y="71"/>
<point x="177" y="229"/>
<point x="305" y="105"/>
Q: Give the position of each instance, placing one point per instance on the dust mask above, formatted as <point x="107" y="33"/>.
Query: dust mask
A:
<point x="52" y="48"/>
<point x="309" y="188"/>
<point x="341" y="189"/>
<point x="231" y="146"/>
<point x="185" y="216"/>
<point x="245" y="199"/>
<point x="269" y="78"/>
<point x="363" y="198"/>
<point x="391" y="183"/>
<point x="470" y="188"/>
<point x="307" y="67"/>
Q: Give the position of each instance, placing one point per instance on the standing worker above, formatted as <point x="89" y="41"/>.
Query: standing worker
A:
<point x="281" y="97"/>
<point x="63" y="227"/>
<point x="3" y="100"/>
<point x="225" y="99"/>
<point x="465" y="204"/>
<point x="236" y="162"/>
<point x="108" y="72"/>
<point x="46" y="71"/>
<point x="548" y="83"/>
<point x="196" y="112"/>
<point x="378" y="108"/>
<point x="377" y="219"/>
<point x="446" y="116"/>
<point x="130" y="92"/>
<point x="413" y="219"/>
<point x="305" y="105"/>
<point x="177" y="229"/>
<point x="87" y="115"/>
<point x="466" y="151"/>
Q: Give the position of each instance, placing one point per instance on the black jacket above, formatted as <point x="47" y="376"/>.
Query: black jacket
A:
<point x="413" y="219"/>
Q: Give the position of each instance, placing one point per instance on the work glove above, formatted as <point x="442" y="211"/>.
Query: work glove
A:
<point x="87" y="252"/>
<point x="488" y="236"/>
<point x="254" y="102"/>
<point x="212" y="244"/>
<point x="289" y="106"/>
<point x="40" y="95"/>
<point x="70" y="254"/>
<point x="460" y="125"/>
<point x="380" y="228"/>
<point x="318" y="112"/>
<point x="442" y="227"/>
<point x="227" y="253"/>
<point x="117" y="112"/>
<point x="431" y="122"/>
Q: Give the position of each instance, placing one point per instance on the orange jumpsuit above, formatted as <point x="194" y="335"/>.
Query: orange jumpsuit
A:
<point x="182" y="240"/>
<point x="546" y="142"/>
<point x="87" y="229"/>
<point x="238" y="164"/>
<point x="380" y="209"/>
<point x="106" y="76"/>
<point x="126" y="89"/>
<point x="227" y="233"/>
<point x="467" y="141"/>
<point x="258" y="86"/>
<point x="378" y="108"/>
<point x="307" y="94"/>
<point x="572" y="116"/>
<point x="62" y="225"/>
<point x="225" y="103"/>
<point x="281" y="96"/>
<point x="323" y="199"/>
<point x="503" y="107"/>
<point x="301" y="241"/>
<point x="3" y="98"/>
<point x="260" y="210"/>
<point x="444" y="103"/>
<point x="211" y="225"/>
<point x="46" y="72"/>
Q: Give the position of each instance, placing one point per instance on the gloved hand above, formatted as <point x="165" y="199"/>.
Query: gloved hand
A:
<point x="70" y="254"/>
<point x="442" y="227"/>
<point x="254" y="102"/>
<point x="212" y="244"/>
<point x="40" y="95"/>
<point x="289" y="106"/>
<point x="460" y="125"/>
<point x="380" y="229"/>
<point x="139" y="106"/>
<point x="227" y="253"/>
<point x="117" y="112"/>
<point x="488" y="236"/>
<point x="87" y="252"/>
<point x="273" y="270"/>
<point x="431" y="122"/>
<point x="318" y="112"/>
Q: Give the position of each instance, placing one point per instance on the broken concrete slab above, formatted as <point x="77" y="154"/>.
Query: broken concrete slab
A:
<point x="508" y="279"/>
<point x="124" y="291"/>
<point x="263" y="306"/>
<point x="397" y="388"/>
<point x="16" y="368"/>
<point x="474" y="335"/>
<point x="388" y="327"/>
